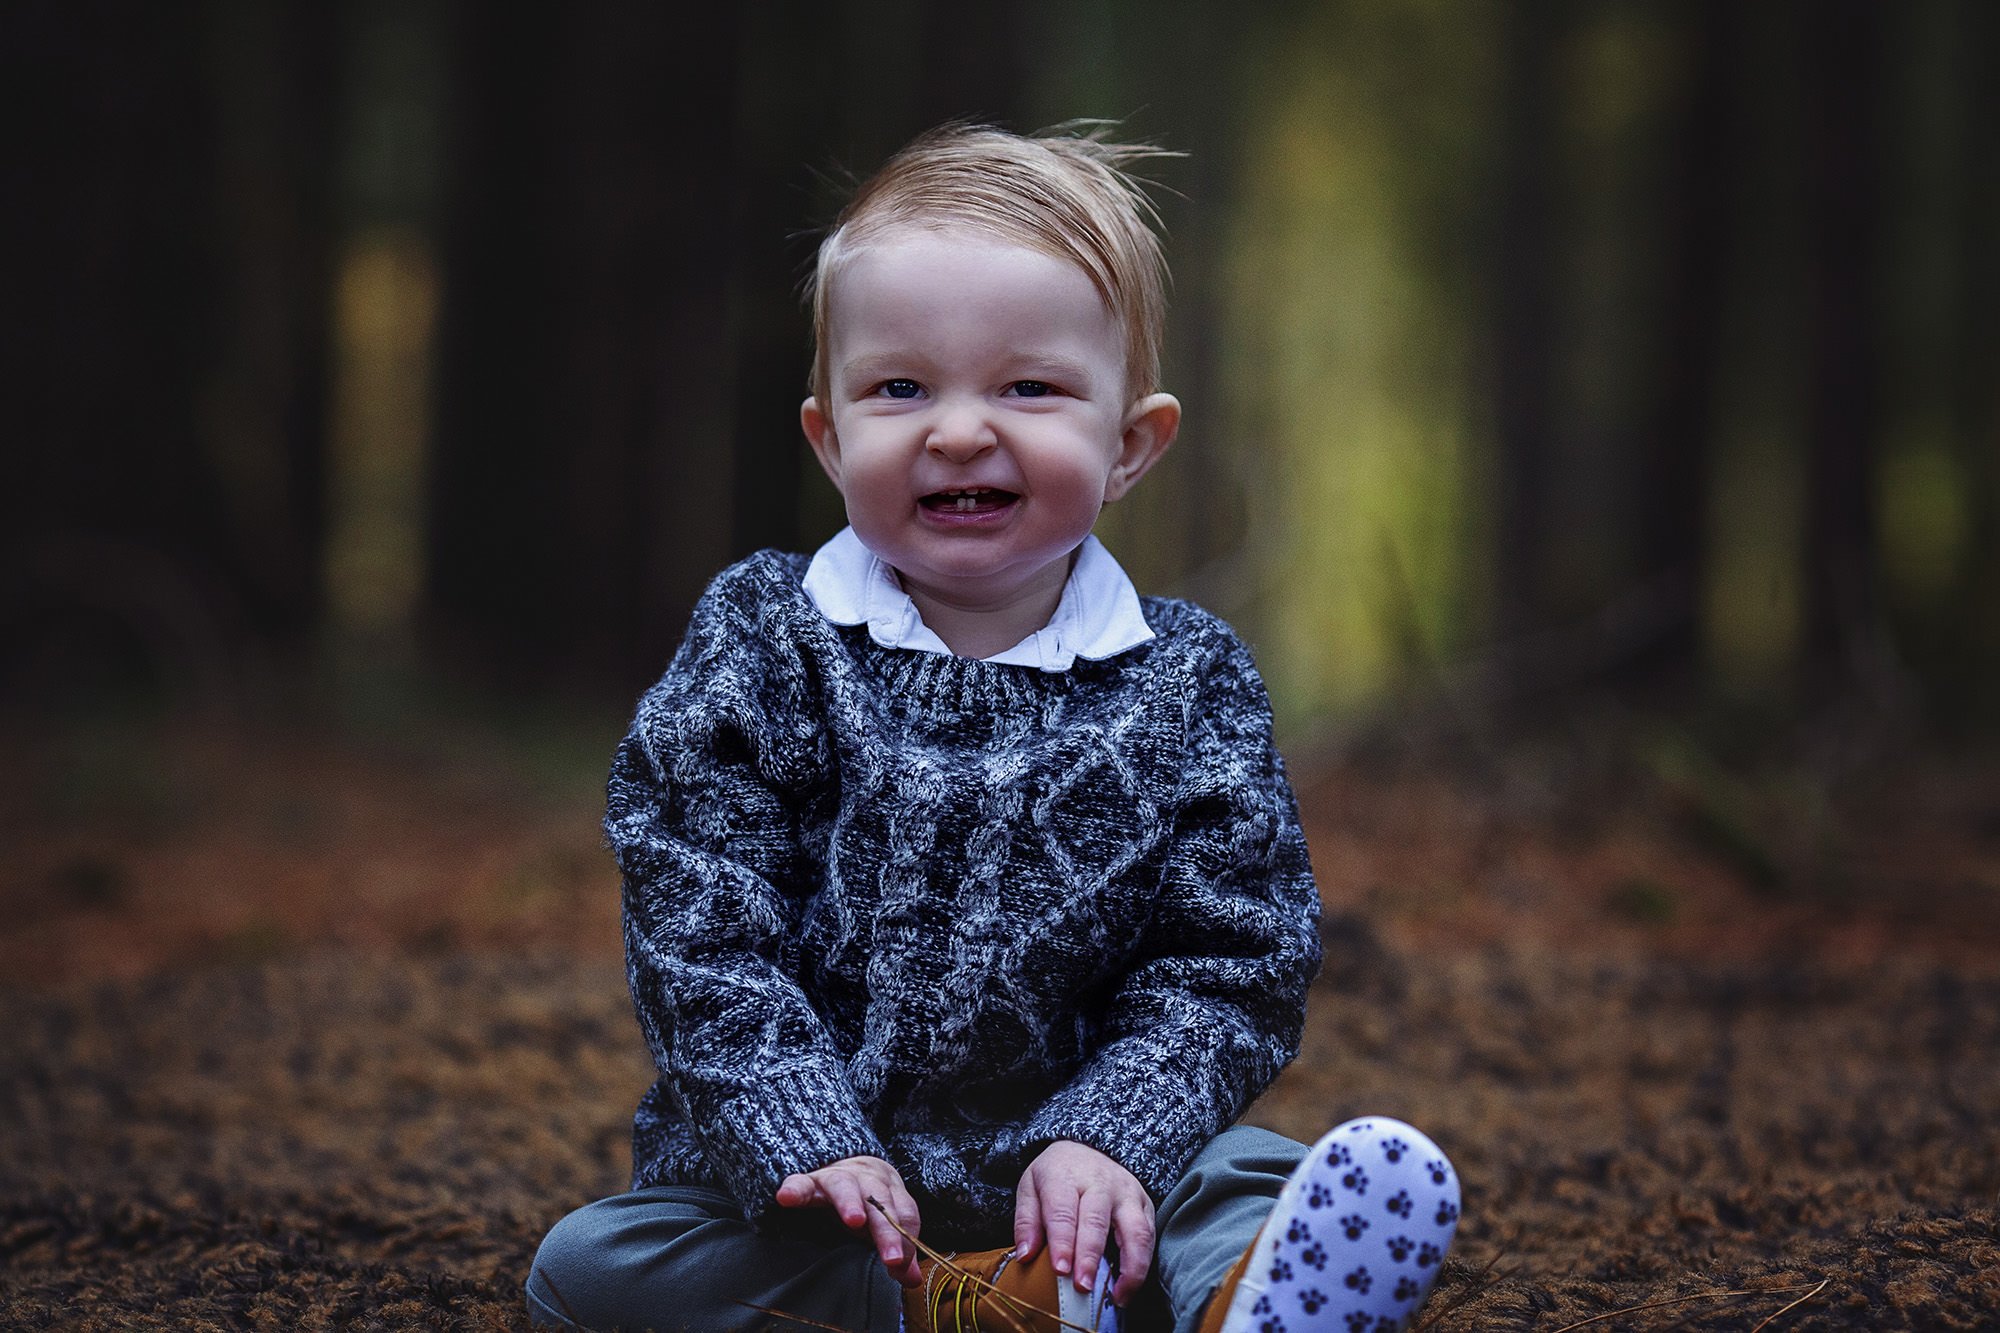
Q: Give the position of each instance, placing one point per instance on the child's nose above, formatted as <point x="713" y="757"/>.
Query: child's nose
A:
<point x="960" y="433"/>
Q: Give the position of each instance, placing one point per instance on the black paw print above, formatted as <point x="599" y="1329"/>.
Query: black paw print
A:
<point x="1428" y="1254"/>
<point x="1281" y="1271"/>
<point x="1356" y="1180"/>
<point x="1354" y="1224"/>
<point x="1263" y="1305"/>
<point x="1400" y="1205"/>
<point x="1447" y="1212"/>
<point x="1439" y="1172"/>
<point x="1406" y="1290"/>
<point x="1359" y="1322"/>
<point x="1313" y="1256"/>
<point x="1394" y="1149"/>
<point x="1298" y="1231"/>
<point x="1400" y="1247"/>
<point x="1359" y="1281"/>
<point x="1312" y="1298"/>
<point x="1336" y="1155"/>
<point x="1319" y="1196"/>
<point x="1272" y="1325"/>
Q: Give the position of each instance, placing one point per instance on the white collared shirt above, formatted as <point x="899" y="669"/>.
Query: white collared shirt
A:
<point x="1098" y="616"/>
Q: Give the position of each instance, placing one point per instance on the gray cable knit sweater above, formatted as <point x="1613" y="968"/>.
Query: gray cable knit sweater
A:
<point x="945" y="912"/>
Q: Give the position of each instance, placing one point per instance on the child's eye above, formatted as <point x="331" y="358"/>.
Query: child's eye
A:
<point x="899" y="389"/>
<point x="1031" y="389"/>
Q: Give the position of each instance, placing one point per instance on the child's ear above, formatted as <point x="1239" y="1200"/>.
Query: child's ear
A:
<point x="1150" y="426"/>
<point x="818" y="426"/>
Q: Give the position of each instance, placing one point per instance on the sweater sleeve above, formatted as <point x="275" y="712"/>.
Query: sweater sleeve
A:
<point x="706" y="800"/>
<point x="1214" y="1006"/>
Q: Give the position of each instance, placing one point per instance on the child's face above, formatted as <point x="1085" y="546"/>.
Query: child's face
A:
<point x="978" y="419"/>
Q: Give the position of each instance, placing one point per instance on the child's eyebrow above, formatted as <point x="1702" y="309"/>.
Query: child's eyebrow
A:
<point x="881" y="365"/>
<point x="1053" y="367"/>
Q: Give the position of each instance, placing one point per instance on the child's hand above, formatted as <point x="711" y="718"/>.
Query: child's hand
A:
<point x="846" y="1186"/>
<point x="1079" y="1197"/>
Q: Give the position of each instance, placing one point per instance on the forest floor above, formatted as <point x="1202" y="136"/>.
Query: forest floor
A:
<point x="305" y="1031"/>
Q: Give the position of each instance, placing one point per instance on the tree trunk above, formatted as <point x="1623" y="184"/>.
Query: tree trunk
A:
<point x="164" y="304"/>
<point x="1843" y="86"/>
<point x="1525" y="325"/>
<point x="1674" y="469"/>
<point x="580" y="474"/>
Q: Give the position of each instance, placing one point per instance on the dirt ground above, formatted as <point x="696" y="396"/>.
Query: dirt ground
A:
<point x="305" y="1033"/>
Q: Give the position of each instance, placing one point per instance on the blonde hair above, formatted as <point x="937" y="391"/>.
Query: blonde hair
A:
<point x="1065" y="192"/>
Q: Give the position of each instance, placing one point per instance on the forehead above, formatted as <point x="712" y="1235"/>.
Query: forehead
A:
<point x="963" y="279"/>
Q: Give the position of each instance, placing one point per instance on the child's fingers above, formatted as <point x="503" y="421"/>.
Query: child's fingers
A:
<point x="1093" y="1228"/>
<point x="1133" y="1219"/>
<point x="895" y="1233"/>
<point x="855" y="1190"/>
<point x="903" y="1207"/>
<point x="908" y="1273"/>
<point x="846" y="1195"/>
<point x="1027" y="1218"/>
<point x="888" y="1242"/>
<point x="899" y="1254"/>
<point x="1059" y="1219"/>
<point x="846" y="1187"/>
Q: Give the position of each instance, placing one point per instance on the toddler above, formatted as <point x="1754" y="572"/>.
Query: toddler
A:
<point x="965" y="898"/>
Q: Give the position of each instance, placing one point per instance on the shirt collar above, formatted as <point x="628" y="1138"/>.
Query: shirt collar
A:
<point x="1097" y="617"/>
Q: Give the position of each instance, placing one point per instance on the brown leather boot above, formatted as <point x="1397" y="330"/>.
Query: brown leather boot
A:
<point x="989" y="1291"/>
<point x="1217" y="1308"/>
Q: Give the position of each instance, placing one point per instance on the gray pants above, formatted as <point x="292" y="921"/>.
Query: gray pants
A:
<point x="681" y="1257"/>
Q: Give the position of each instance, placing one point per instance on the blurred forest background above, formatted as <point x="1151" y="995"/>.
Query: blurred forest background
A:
<point x="404" y="350"/>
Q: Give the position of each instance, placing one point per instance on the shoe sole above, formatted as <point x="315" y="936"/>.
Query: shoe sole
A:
<point x="1357" y="1237"/>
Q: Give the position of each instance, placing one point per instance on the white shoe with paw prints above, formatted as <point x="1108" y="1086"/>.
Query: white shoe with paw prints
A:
<point x="1356" y="1240"/>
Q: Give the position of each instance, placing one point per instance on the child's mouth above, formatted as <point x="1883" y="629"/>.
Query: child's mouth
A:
<point x="967" y="501"/>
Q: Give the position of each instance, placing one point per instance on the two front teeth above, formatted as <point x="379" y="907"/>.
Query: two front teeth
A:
<point x="966" y="501"/>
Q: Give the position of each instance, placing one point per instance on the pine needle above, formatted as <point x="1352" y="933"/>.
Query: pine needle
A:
<point x="1810" y="1292"/>
<point x="795" y="1318"/>
<point x="1788" y="1309"/>
<point x="1485" y="1280"/>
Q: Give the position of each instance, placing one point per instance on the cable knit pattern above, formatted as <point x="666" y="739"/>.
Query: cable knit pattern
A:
<point x="945" y="911"/>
